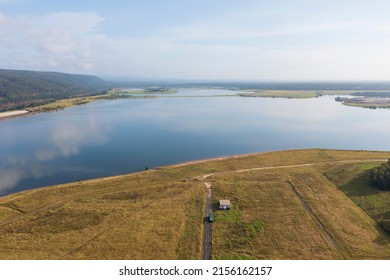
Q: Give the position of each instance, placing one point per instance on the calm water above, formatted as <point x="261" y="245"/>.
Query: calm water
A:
<point x="121" y="136"/>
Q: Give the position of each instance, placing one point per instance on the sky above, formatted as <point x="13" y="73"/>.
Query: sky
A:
<point x="221" y="40"/>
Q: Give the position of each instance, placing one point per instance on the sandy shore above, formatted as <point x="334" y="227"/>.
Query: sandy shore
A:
<point x="13" y="113"/>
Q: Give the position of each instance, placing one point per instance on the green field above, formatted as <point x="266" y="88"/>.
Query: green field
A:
<point x="353" y="179"/>
<point x="112" y="94"/>
<point x="298" y="204"/>
<point x="65" y="103"/>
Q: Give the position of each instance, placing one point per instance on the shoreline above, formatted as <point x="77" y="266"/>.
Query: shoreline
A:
<point x="15" y="113"/>
<point x="183" y="164"/>
<point x="219" y="158"/>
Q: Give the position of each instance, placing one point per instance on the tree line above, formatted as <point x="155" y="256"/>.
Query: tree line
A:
<point x="380" y="176"/>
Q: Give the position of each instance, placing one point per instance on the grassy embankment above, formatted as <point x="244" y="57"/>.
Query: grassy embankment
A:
<point x="149" y="215"/>
<point x="279" y="212"/>
<point x="353" y="179"/>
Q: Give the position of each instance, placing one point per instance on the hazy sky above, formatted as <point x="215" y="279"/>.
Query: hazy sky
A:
<point x="197" y="39"/>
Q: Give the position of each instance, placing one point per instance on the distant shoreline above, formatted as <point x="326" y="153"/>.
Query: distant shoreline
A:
<point x="363" y="102"/>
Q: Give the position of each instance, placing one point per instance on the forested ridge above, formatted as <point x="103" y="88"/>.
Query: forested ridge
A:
<point x="21" y="88"/>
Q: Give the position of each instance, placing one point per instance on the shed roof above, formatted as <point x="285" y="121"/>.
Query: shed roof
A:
<point x="224" y="202"/>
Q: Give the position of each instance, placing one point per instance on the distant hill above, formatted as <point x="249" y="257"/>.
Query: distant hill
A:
<point x="20" y="88"/>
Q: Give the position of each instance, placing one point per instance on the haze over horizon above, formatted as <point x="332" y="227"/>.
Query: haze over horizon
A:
<point x="199" y="40"/>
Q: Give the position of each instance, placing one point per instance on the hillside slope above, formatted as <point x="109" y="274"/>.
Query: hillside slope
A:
<point x="283" y="207"/>
<point x="20" y="88"/>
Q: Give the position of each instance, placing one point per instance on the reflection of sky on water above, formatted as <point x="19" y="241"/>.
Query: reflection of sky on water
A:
<point x="120" y="136"/>
<point x="26" y="156"/>
<point x="66" y="139"/>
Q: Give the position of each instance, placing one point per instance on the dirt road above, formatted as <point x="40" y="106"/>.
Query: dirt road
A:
<point x="207" y="241"/>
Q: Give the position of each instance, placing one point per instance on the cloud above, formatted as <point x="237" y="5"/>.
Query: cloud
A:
<point x="220" y="48"/>
<point x="3" y="18"/>
<point x="54" y="41"/>
<point x="9" y="179"/>
<point x="72" y="23"/>
<point x="206" y="31"/>
<point x="46" y="154"/>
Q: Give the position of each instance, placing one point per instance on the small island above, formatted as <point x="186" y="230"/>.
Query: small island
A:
<point x="367" y="99"/>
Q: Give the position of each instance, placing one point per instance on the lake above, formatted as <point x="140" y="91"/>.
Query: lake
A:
<point x="111" y="137"/>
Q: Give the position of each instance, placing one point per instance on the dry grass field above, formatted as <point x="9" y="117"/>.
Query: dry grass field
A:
<point x="302" y="216"/>
<point x="146" y="215"/>
<point x="285" y="205"/>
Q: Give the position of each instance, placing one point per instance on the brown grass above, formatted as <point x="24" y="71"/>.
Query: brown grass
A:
<point x="158" y="214"/>
<point x="118" y="218"/>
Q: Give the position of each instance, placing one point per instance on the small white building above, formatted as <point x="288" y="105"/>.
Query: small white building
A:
<point x="224" y="204"/>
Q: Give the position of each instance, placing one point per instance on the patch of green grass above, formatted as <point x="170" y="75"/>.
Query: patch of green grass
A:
<point x="240" y="232"/>
<point x="255" y="227"/>
<point x="65" y="103"/>
<point x="81" y="101"/>
<point x="229" y="216"/>
<point x="353" y="179"/>
<point x="345" y="173"/>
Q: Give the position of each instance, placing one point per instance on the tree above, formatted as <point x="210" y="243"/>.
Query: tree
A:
<point x="380" y="176"/>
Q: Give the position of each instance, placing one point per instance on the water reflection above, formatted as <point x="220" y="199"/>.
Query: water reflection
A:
<point x="120" y="136"/>
<point x="9" y="178"/>
<point x="65" y="137"/>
